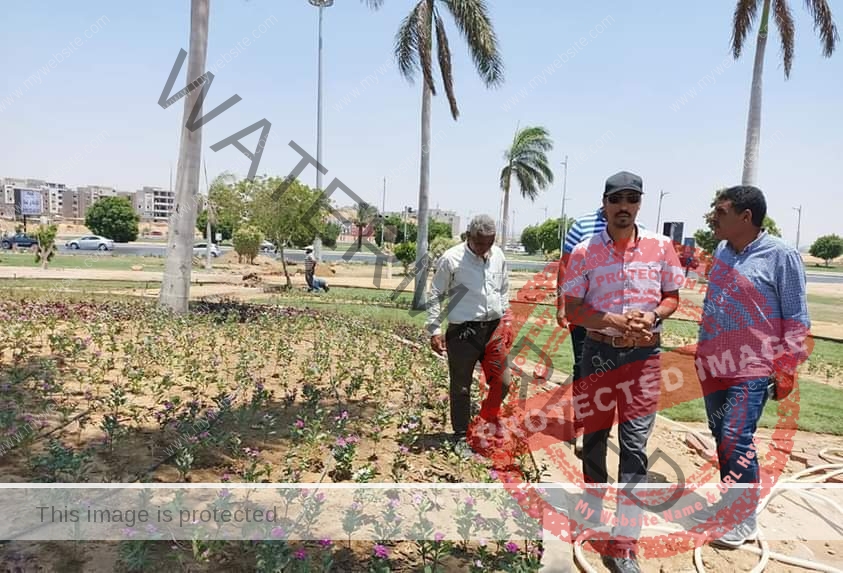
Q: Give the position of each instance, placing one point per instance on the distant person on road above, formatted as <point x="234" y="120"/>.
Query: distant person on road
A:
<point x="313" y="284"/>
<point x="474" y="278"/>
<point x="751" y="341"/>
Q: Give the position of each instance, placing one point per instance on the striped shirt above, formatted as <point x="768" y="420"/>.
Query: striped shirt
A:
<point x="615" y="283"/>
<point x="755" y="312"/>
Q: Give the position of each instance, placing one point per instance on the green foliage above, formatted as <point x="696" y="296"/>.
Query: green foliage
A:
<point x="554" y="255"/>
<point x="770" y="226"/>
<point x="247" y="242"/>
<point x="438" y="229"/>
<point x="280" y="210"/>
<point x="330" y="234"/>
<point x="46" y="236"/>
<point x="526" y="161"/>
<point x="439" y="245"/>
<point x="406" y="253"/>
<point x="705" y="240"/>
<point x="229" y="201"/>
<point x="114" y="218"/>
<point x="827" y="248"/>
<point x="530" y="239"/>
<point x="548" y="233"/>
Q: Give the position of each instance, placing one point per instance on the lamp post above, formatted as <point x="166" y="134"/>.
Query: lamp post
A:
<point x="659" y="214"/>
<point x="562" y="230"/>
<point x="321" y="5"/>
<point x="798" y="225"/>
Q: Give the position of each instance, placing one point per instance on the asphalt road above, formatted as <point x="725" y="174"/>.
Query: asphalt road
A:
<point x="366" y="256"/>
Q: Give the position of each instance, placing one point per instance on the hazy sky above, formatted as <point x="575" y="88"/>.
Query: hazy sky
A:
<point x="615" y="104"/>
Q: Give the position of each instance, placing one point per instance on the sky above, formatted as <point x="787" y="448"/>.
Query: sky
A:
<point x="610" y="80"/>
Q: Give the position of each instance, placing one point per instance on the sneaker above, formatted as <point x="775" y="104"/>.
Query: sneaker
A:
<point x="327" y="288"/>
<point x="626" y="564"/>
<point x="743" y="532"/>
<point x="461" y="448"/>
<point x="578" y="446"/>
<point x="707" y="514"/>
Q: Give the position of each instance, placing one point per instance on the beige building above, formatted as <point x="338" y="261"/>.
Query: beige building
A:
<point x="154" y="204"/>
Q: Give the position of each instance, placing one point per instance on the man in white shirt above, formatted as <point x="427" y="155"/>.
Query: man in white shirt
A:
<point x="474" y="277"/>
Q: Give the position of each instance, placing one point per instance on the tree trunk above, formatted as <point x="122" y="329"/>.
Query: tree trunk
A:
<point x="175" y="285"/>
<point x="284" y="266"/>
<point x="753" y="126"/>
<point x="424" y="196"/>
<point x="505" y="218"/>
<point x="359" y="237"/>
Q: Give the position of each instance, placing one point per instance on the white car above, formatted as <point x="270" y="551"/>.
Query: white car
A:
<point x="201" y="249"/>
<point x="267" y="247"/>
<point x="91" y="243"/>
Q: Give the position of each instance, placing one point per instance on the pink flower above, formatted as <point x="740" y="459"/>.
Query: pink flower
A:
<point x="438" y="536"/>
<point x="300" y="424"/>
<point x="511" y="547"/>
<point x="326" y="543"/>
<point x="404" y="450"/>
<point x="341" y="442"/>
<point x="469" y="501"/>
<point x="277" y="532"/>
<point x="301" y="555"/>
<point x="381" y="551"/>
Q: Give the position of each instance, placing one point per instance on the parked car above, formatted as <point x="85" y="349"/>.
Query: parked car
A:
<point x="200" y="249"/>
<point x="20" y="241"/>
<point x="268" y="247"/>
<point x="91" y="243"/>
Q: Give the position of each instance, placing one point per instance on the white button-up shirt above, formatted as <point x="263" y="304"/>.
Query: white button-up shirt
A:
<point x="616" y="283"/>
<point x="476" y="288"/>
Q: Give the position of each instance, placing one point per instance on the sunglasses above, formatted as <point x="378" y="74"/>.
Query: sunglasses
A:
<point x="629" y="198"/>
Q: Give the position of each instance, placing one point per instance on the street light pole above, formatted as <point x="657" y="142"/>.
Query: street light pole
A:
<point x="798" y="225"/>
<point x="562" y="229"/>
<point x="659" y="214"/>
<point x="321" y="5"/>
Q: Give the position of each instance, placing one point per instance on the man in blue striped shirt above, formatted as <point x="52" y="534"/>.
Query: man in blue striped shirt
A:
<point x="752" y="338"/>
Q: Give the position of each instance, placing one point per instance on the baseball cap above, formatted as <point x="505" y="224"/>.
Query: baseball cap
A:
<point x="623" y="181"/>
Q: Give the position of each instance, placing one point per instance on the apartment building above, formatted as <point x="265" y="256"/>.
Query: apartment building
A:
<point x="154" y="204"/>
<point x="449" y="217"/>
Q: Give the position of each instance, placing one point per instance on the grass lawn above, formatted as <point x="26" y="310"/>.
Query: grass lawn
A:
<point x="820" y="410"/>
<point x="10" y="285"/>
<point x="92" y="261"/>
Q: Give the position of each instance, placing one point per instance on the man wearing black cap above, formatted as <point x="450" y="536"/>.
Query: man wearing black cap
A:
<point x="620" y="285"/>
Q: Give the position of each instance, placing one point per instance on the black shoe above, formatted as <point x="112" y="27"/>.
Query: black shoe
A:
<point x="327" y="288"/>
<point x="626" y="564"/>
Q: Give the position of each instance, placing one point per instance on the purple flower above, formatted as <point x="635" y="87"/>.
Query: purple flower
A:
<point x="151" y="528"/>
<point x="404" y="450"/>
<point x="381" y="552"/>
<point x="478" y="564"/>
<point x="204" y="435"/>
<point x="320" y="497"/>
<point x="356" y="506"/>
<point x="511" y="547"/>
<point x="168" y="405"/>
<point x="300" y="424"/>
<point x="326" y="543"/>
<point x="224" y="493"/>
<point x="277" y="532"/>
<point x="226" y="477"/>
<point x="128" y="532"/>
<point x="493" y="474"/>
<point x="341" y="442"/>
<point x="301" y="555"/>
<point x="438" y="536"/>
<point x="469" y="501"/>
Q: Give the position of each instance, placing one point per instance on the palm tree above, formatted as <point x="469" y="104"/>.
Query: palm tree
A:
<point x="414" y="51"/>
<point x="526" y="159"/>
<point x="744" y="18"/>
<point x="175" y="285"/>
<point x="365" y="215"/>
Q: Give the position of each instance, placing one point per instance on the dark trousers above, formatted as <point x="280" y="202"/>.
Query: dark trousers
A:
<point x="467" y="345"/>
<point x="604" y="389"/>
<point x="578" y="335"/>
<point x="733" y="408"/>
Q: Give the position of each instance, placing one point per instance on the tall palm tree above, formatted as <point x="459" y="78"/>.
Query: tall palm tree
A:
<point x="414" y="50"/>
<point x="526" y="159"/>
<point x="744" y="18"/>
<point x="175" y="285"/>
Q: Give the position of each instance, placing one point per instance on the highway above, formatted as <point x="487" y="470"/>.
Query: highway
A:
<point x="366" y="256"/>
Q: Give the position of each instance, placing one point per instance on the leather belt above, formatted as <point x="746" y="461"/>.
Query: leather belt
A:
<point x="623" y="341"/>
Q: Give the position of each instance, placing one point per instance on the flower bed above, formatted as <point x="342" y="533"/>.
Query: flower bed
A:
<point x="119" y="392"/>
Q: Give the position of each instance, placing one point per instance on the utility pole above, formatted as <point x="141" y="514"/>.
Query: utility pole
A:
<point x="545" y="215"/>
<point x="798" y="225"/>
<point x="562" y="229"/>
<point x="383" y="211"/>
<point x="659" y="214"/>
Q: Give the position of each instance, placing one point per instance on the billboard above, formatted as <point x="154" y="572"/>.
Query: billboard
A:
<point x="674" y="230"/>
<point x="29" y="202"/>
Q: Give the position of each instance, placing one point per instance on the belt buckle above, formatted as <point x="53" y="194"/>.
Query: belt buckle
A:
<point x="614" y="338"/>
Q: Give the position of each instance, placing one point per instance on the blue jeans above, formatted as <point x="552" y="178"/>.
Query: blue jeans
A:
<point x="603" y="368"/>
<point x="733" y="408"/>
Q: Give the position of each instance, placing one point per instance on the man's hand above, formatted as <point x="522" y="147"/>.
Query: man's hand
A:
<point x="640" y="324"/>
<point x="438" y="344"/>
<point x="562" y="319"/>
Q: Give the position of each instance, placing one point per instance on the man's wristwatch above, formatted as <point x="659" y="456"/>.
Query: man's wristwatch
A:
<point x="657" y="320"/>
